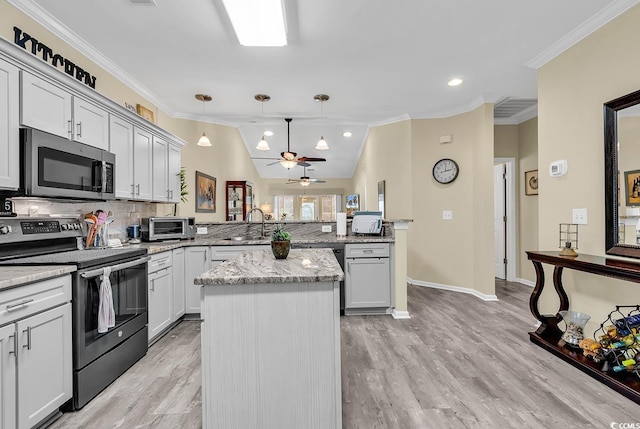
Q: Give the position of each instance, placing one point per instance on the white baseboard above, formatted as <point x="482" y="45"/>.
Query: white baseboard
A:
<point x="526" y="282"/>
<point x="397" y="314"/>
<point x="459" y="289"/>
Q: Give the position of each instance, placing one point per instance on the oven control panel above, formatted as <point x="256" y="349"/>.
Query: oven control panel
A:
<point x="17" y="229"/>
<point x="40" y="227"/>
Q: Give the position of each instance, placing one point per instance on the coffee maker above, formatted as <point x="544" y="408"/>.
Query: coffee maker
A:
<point x="133" y="230"/>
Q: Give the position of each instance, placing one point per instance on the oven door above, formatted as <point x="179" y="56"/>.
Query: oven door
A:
<point x="129" y="292"/>
<point x="166" y="229"/>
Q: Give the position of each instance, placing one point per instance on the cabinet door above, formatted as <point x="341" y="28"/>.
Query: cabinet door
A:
<point x="44" y="364"/>
<point x="9" y="127"/>
<point x="90" y="124"/>
<point x="178" y="284"/>
<point x="142" y="173"/>
<point x="121" y="144"/>
<point x="367" y="283"/>
<point x="45" y="106"/>
<point x="174" y="173"/>
<point x="160" y="306"/>
<point x="160" y="165"/>
<point x="8" y="377"/>
<point x="196" y="262"/>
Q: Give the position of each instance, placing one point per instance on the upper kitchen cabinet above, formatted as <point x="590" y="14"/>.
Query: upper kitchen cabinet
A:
<point x="9" y="126"/>
<point x="121" y="144"/>
<point x="175" y="163"/>
<point x="160" y="164"/>
<point x="143" y="161"/>
<point x="48" y="107"/>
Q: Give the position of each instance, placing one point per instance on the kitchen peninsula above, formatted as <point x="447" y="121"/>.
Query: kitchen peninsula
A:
<point x="271" y="341"/>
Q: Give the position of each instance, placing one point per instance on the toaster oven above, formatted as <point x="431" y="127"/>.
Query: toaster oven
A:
<point x="167" y="228"/>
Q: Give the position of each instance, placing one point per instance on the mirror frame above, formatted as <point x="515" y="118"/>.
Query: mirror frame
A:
<point x="611" y="185"/>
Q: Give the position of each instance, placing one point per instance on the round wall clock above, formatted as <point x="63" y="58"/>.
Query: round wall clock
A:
<point x="446" y="170"/>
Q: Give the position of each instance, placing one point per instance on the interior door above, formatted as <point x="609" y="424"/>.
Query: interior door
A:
<point x="499" y="220"/>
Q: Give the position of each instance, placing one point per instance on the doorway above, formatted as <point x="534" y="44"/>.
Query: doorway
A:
<point x="505" y="218"/>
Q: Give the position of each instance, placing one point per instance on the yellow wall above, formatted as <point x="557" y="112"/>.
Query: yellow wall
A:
<point x="572" y="89"/>
<point x="527" y="205"/>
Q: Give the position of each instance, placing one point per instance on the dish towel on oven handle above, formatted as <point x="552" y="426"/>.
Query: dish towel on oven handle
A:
<point x="106" y="313"/>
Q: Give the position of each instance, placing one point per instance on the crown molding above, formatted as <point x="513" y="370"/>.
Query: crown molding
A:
<point x="613" y="10"/>
<point x="519" y="118"/>
<point x="49" y="22"/>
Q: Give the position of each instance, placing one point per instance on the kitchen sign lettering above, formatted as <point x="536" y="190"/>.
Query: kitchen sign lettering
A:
<point x="21" y="38"/>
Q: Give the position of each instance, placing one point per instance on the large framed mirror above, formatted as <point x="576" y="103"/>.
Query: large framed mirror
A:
<point x="622" y="175"/>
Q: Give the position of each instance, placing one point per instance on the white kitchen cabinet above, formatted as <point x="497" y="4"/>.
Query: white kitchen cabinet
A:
<point x="143" y="161"/>
<point x="178" y="284"/>
<point x="160" y="165"/>
<point x="160" y="293"/>
<point x="9" y="126"/>
<point x="90" y="124"/>
<point x="8" y="386"/>
<point x="121" y="144"/>
<point x="196" y="262"/>
<point x="44" y="364"/>
<point x="45" y="106"/>
<point x="175" y="164"/>
<point x="367" y="277"/>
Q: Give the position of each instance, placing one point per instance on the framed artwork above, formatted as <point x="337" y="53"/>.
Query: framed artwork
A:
<point x="531" y="182"/>
<point x="632" y="187"/>
<point x="145" y="113"/>
<point x="381" y="197"/>
<point x="352" y="204"/>
<point x="205" y="193"/>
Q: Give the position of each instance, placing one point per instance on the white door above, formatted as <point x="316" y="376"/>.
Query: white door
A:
<point x="8" y="377"/>
<point x="499" y="221"/>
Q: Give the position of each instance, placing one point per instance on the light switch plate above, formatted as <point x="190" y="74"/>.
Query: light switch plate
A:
<point x="447" y="215"/>
<point x="326" y="228"/>
<point x="579" y="216"/>
<point x="201" y="230"/>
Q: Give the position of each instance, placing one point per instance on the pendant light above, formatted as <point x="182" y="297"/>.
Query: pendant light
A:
<point x="322" y="143"/>
<point x="204" y="140"/>
<point x="262" y="144"/>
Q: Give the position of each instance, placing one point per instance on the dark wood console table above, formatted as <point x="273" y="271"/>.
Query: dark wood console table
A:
<point x="548" y="334"/>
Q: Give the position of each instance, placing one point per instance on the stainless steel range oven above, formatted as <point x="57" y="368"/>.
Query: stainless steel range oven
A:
<point x="98" y="357"/>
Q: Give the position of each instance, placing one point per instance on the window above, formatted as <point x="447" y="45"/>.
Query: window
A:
<point x="306" y="207"/>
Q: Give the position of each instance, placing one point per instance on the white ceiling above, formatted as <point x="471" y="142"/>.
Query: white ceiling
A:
<point x="380" y="61"/>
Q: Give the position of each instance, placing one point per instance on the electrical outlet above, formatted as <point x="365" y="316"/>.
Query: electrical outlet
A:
<point x="201" y="230"/>
<point x="326" y="228"/>
<point x="579" y="216"/>
<point x="447" y="215"/>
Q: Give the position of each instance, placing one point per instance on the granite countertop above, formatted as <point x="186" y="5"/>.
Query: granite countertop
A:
<point x="12" y="276"/>
<point x="260" y="266"/>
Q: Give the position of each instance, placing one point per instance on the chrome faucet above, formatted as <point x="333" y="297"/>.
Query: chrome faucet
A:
<point x="246" y="219"/>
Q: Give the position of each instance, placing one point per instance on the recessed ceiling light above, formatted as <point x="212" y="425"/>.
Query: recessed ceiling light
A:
<point x="258" y="22"/>
<point x="454" y="82"/>
<point x="268" y="133"/>
<point x="347" y="134"/>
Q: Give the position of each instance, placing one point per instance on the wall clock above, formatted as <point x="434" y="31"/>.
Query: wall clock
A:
<point x="446" y="170"/>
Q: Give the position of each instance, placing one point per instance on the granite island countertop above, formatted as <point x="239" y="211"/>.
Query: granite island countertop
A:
<point x="13" y="276"/>
<point x="302" y="265"/>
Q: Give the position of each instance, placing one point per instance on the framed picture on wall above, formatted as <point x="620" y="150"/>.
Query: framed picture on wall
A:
<point x="205" y="193"/>
<point x="352" y="204"/>
<point x="632" y="187"/>
<point x="531" y="182"/>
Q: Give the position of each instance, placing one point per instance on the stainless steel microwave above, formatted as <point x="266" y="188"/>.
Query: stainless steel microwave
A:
<point x="55" y="167"/>
<point x="167" y="228"/>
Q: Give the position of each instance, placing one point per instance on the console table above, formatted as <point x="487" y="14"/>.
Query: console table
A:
<point x="548" y="334"/>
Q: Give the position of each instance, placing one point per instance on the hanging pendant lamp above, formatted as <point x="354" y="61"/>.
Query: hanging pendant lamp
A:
<point x="204" y="140"/>
<point x="262" y="144"/>
<point x="322" y="143"/>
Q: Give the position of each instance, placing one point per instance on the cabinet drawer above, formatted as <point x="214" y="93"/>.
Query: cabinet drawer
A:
<point x="224" y="253"/>
<point x="23" y="301"/>
<point x="368" y="250"/>
<point x="160" y="261"/>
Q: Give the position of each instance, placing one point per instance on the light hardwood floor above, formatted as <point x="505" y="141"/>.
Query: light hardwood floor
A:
<point x="459" y="362"/>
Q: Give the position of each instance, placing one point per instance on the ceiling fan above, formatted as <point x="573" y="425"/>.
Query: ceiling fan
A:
<point x="304" y="180"/>
<point x="290" y="159"/>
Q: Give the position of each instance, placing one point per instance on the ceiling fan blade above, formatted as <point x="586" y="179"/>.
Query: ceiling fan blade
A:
<point x="311" y="159"/>
<point x="267" y="158"/>
<point x="317" y="181"/>
<point x="303" y="164"/>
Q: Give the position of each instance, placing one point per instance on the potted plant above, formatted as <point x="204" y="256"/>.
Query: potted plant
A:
<point x="183" y="189"/>
<point x="280" y="242"/>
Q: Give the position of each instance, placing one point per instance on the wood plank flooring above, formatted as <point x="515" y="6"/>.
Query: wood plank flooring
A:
<point x="459" y="362"/>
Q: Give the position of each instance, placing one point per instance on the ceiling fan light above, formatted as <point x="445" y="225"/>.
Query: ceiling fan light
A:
<point x="304" y="183"/>
<point x="263" y="145"/>
<point x="204" y="140"/>
<point x="322" y="144"/>
<point x="288" y="164"/>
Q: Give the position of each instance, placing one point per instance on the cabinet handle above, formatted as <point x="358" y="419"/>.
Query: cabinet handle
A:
<point x="15" y="345"/>
<point x="367" y="251"/>
<point x="79" y="129"/>
<point x="170" y="194"/>
<point x="70" y="128"/>
<point x="138" y="189"/>
<point x="153" y="285"/>
<point x="20" y="304"/>
<point x="28" y="331"/>
<point x="205" y="256"/>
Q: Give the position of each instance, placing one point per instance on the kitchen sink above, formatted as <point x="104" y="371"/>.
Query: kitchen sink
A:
<point x="246" y="238"/>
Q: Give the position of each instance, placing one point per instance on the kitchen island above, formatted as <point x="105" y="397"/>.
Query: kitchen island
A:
<point x="271" y="341"/>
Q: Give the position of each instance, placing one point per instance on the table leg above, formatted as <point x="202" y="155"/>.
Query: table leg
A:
<point x="548" y="323"/>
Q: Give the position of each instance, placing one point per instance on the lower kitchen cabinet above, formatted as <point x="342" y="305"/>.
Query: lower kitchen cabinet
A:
<point x="367" y="277"/>
<point x="36" y="361"/>
<point x="196" y="262"/>
<point x="179" y="307"/>
<point x="160" y="301"/>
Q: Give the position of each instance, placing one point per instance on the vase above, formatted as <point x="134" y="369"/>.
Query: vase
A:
<point x="575" y="321"/>
<point x="280" y="249"/>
